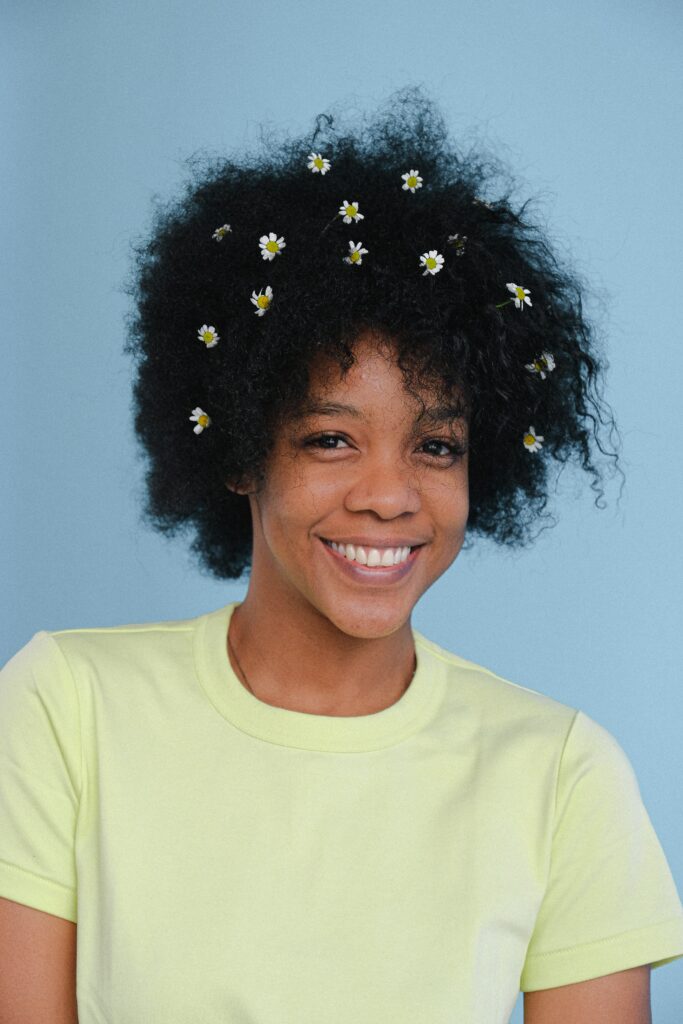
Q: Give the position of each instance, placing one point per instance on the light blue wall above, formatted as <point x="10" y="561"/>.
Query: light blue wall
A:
<point x="100" y="103"/>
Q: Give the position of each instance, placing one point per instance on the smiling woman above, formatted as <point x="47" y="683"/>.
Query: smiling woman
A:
<point x="297" y="807"/>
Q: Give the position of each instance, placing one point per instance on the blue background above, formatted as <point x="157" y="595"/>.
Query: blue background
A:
<point x="100" y="104"/>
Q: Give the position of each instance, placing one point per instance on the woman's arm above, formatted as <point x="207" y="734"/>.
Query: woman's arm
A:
<point x="619" y="998"/>
<point x="37" y="966"/>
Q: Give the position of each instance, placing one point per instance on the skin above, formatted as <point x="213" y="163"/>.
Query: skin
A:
<point x="382" y="480"/>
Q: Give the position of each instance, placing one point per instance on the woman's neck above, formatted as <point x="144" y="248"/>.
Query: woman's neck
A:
<point x="291" y="656"/>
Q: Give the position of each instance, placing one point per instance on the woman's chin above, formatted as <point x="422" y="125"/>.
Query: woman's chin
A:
<point x="366" y="619"/>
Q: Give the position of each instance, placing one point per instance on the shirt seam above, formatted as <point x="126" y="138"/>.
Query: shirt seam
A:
<point x="465" y="665"/>
<point x="41" y="878"/>
<point x="609" y="938"/>
<point x="80" y="725"/>
<point x="120" y="629"/>
<point x="559" y="771"/>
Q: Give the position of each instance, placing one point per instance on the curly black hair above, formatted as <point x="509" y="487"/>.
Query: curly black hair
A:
<point x="455" y="331"/>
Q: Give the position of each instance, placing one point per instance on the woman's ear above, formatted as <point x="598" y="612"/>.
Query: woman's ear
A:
<point x="239" y="487"/>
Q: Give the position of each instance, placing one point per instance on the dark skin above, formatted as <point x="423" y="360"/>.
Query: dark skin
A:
<point x="308" y="636"/>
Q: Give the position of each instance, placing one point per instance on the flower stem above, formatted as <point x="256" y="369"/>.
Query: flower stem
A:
<point x="328" y="224"/>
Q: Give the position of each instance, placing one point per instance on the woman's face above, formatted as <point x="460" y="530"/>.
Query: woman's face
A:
<point x="387" y="481"/>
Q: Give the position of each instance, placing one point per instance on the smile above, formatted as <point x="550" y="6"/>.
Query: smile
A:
<point x="402" y="561"/>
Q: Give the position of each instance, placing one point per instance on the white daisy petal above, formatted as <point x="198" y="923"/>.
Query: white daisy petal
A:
<point x="271" y="246"/>
<point x="542" y="365"/>
<point x="201" y="419"/>
<point x="208" y="335"/>
<point x="532" y="441"/>
<point x="350" y="211"/>
<point x="262" y="300"/>
<point x="411" y="180"/>
<point x="356" y="253"/>
<point x="520" y="293"/>
<point x="220" y="232"/>
<point x="318" y="163"/>
<point x="432" y="261"/>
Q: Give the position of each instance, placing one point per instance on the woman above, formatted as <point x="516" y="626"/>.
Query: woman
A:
<point x="296" y="807"/>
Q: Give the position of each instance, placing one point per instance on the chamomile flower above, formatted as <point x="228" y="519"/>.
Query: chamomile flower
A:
<point x="208" y="335"/>
<point x="271" y="246"/>
<point x="201" y="419"/>
<point x="482" y="202"/>
<point x="432" y="261"/>
<point x="521" y="295"/>
<point x="411" y="180"/>
<point x="532" y="441"/>
<point x="458" y="243"/>
<point x="356" y="253"/>
<point x="350" y="211"/>
<point x="543" y="365"/>
<point x="318" y="163"/>
<point x="263" y="300"/>
<point x="221" y="232"/>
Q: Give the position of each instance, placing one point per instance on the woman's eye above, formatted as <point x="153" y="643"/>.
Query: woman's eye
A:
<point x="318" y="442"/>
<point x="327" y="443"/>
<point x="452" y="450"/>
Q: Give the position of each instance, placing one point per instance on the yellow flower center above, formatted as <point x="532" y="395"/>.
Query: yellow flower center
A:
<point x="412" y="181"/>
<point x="207" y="336"/>
<point x="263" y="301"/>
<point x="350" y="211"/>
<point x="355" y="256"/>
<point x="430" y="262"/>
<point x="539" y="364"/>
<point x="203" y="421"/>
<point x="520" y="293"/>
<point x="529" y="440"/>
<point x="318" y="162"/>
<point x="272" y="246"/>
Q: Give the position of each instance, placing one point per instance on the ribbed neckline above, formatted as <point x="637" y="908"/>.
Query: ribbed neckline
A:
<point x="309" y="731"/>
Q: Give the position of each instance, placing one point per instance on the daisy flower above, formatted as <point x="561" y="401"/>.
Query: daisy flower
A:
<point x="482" y="202"/>
<point x="201" y="419"/>
<point x="411" y="180"/>
<point x="262" y="300"/>
<point x="543" y="365"/>
<point x="532" y="440"/>
<point x="221" y="232"/>
<point x="208" y="335"/>
<point x="458" y="242"/>
<point x="355" y="253"/>
<point x="318" y="164"/>
<point x="350" y="211"/>
<point x="432" y="261"/>
<point x="271" y="246"/>
<point x="521" y="295"/>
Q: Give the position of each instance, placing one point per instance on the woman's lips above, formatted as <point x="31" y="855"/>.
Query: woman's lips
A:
<point x="377" y="574"/>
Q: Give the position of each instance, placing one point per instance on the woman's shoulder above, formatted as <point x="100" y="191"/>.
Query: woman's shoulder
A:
<point x="95" y="646"/>
<point x="501" y="697"/>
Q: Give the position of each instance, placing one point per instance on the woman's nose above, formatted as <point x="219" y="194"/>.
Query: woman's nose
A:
<point x="385" y="485"/>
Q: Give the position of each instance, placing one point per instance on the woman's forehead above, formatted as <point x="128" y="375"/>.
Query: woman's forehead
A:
<point x="335" y="390"/>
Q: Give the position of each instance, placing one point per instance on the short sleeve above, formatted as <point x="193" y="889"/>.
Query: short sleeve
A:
<point x="610" y="902"/>
<point x="40" y="777"/>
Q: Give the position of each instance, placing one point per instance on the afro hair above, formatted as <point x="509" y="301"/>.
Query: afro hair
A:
<point x="459" y="328"/>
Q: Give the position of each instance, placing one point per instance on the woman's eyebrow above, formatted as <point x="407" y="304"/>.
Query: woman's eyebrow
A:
<point x="328" y="409"/>
<point x="434" y="414"/>
<point x="442" y="414"/>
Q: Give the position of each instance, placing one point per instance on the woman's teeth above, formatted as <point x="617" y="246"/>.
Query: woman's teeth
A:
<point x="371" y="556"/>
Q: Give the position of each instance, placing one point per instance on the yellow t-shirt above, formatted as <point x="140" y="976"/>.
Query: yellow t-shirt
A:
<point x="231" y="861"/>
